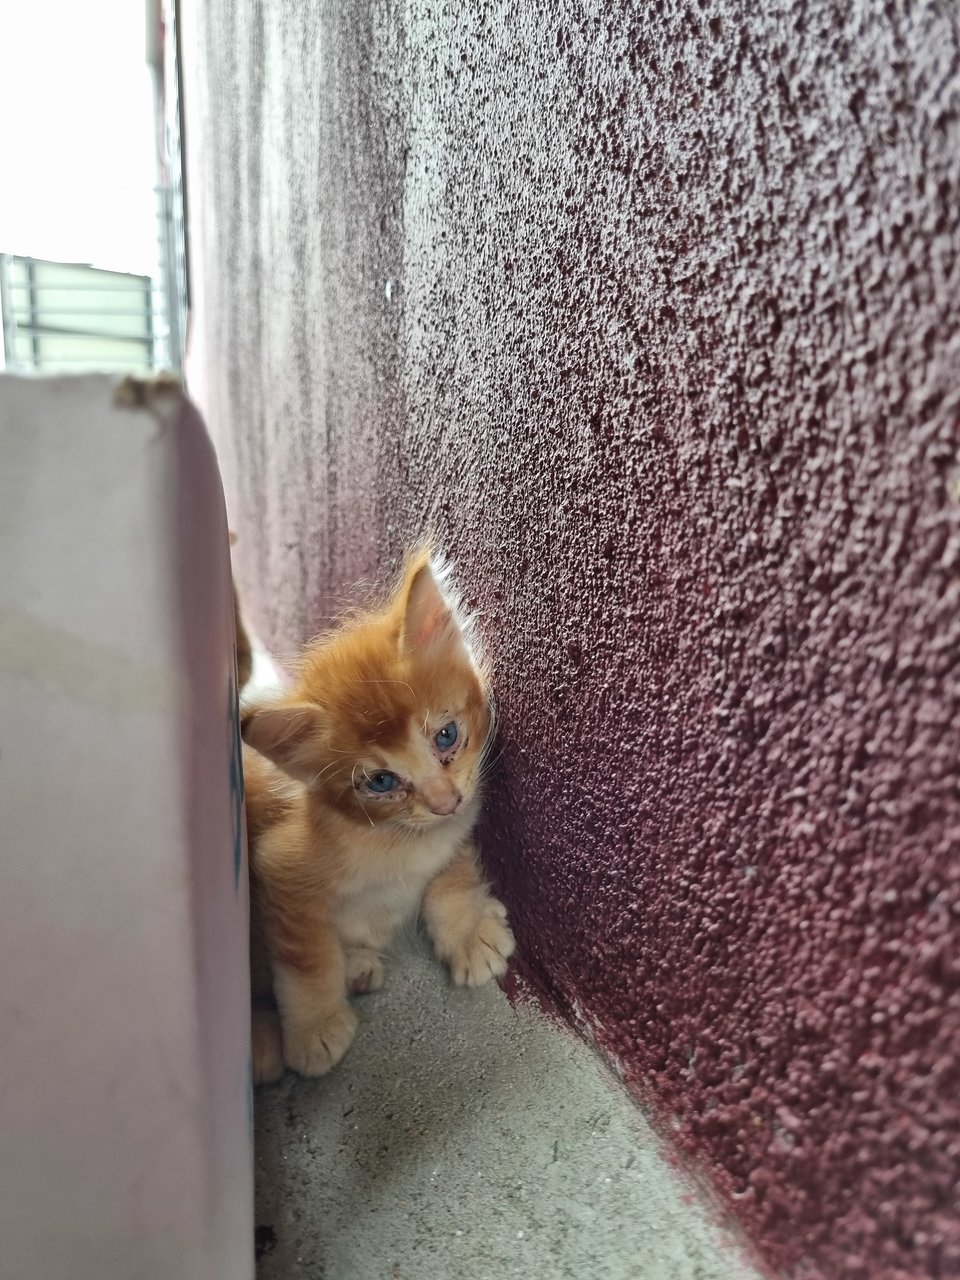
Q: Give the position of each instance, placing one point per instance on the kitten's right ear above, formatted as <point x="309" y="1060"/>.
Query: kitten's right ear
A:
<point x="286" y="734"/>
<point x="429" y="625"/>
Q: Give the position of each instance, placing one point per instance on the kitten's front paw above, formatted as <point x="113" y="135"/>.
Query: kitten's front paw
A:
<point x="314" y="1047"/>
<point x="364" y="971"/>
<point x="477" y="949"/>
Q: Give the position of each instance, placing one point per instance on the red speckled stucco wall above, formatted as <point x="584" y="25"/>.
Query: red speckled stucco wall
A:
<point x="651" y="311"/>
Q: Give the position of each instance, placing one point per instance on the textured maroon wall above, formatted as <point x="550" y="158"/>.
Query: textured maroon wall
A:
<point x="651" y="311"/>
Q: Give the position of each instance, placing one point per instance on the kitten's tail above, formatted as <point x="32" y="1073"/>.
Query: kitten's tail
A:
<point x="266" y="1044"/>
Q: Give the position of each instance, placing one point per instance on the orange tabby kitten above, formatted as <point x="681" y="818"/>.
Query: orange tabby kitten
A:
<point x="363" y="789"/>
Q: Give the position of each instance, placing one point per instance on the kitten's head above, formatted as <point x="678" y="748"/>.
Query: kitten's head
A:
<point x="390" y="715"/>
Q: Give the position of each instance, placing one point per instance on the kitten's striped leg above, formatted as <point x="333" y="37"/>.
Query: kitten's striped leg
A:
<point x="318" y="1024"/>
<point x="309" y="981"/>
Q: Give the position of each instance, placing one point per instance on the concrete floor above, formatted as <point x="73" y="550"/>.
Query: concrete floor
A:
<point x="465" y="1139"/>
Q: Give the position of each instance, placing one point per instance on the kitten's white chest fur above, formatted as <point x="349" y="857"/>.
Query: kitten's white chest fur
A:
<point x="390" y="880"/>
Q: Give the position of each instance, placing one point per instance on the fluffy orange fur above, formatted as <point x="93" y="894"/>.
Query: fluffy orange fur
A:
<point x="363" y="789"/>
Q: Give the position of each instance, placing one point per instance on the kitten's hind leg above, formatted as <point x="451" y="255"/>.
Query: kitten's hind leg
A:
<point x="364" y="970"/>
<point x="267" y="1049"/>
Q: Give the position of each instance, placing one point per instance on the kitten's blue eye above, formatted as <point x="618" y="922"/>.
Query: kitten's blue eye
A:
<point x="381" y="783"/>
<point x="446" y="737"/>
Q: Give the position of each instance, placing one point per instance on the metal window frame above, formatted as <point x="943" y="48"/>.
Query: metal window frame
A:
<point x="30" y="319"/>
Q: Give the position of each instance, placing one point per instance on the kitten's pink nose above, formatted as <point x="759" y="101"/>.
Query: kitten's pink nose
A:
<point x="441" y="797"/>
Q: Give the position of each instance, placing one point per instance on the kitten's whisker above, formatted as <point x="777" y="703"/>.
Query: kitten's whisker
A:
<point x="487" y="763"/>
<point x="335" y="764"/>
<point x="403" y="682"/>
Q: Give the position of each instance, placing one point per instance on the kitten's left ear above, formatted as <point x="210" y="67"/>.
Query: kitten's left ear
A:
<point x="429" y="624"/>
<point x="287" y="735"/>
